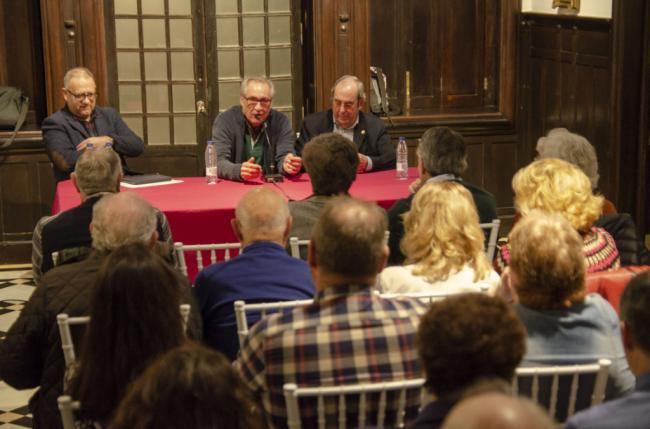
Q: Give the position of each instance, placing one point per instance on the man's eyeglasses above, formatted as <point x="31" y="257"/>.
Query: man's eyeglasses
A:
<point x="79" y="97"/>
<point x="252" y="101"/>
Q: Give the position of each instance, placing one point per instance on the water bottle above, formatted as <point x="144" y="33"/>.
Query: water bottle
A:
<point x="211" y="163"/>
<point x="402" y="159"/>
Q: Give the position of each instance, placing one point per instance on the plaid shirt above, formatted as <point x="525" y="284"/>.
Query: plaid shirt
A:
<point x="347" y="336"/>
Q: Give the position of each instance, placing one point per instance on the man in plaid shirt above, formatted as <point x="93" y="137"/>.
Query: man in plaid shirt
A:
<point x="348" y="335"/>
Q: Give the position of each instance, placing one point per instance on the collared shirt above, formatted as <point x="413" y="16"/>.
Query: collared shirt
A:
<point x="348" y="133"/>
<point x="446" y="177"/>
<point x="348" y="335"/>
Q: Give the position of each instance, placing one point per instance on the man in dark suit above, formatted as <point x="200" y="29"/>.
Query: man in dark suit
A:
<point x="376" y="152"/>
<point x="441" y="156"/>
<point x="81" y="123"/>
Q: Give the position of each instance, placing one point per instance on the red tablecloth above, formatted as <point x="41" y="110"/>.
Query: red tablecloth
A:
<point x="199" y="213"/>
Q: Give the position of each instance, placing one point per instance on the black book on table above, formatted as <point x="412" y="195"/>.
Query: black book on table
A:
<point x="143" y="179"/>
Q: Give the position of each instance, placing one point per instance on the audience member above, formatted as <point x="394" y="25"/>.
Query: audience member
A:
<point x="443" y="245"/>
<point x="134" y="317"/>
<point x="80" y="124"/>
<point x="498" y="411"/>
<point x="96" y="173"/>
<point x="253" y="139"/>
<point x="331" y="162"/>
<point x="30" y="355"/>
<point x="349" y="334"/>
<point x="190" y="386"/>
<point x="575" y="149"/>
<point x="441" y="157"/>
<point x="633" y="410"/>
<point x="555" y="186"/>
<point x="376" y="152"/>
<point x="464" y="340"/>
<point x="263" y="272"/>
<point x="565" y="324"/>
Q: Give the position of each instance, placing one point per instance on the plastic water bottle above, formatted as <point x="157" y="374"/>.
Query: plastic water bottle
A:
<point x="402" y="159"/>
<point x="211" y="163"/>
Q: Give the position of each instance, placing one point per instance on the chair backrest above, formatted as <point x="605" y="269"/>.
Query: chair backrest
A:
<point x="426" y="297"/>
<point x="297" y="245"/>
<point x="67" y="407"/>
<point x="64" y="322"/>
<point x="243" y="310"/>
<point x="491" y="244"/>
<point x="227" y="249"/>
<point x="565" y="389"/>
<point x="364" y="402"/>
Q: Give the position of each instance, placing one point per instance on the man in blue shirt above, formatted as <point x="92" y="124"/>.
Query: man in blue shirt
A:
<point x="633" y="410"/>
<point x="263" y="272"/>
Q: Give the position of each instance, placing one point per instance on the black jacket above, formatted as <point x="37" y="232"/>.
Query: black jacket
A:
<point x="621" y="227"/>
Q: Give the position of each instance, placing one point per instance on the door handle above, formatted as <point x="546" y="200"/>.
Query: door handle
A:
<point x="200" y="107"/>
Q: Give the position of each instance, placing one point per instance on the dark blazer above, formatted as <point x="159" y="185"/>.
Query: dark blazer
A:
<point x="370" y="137"/>
<point x="486" y="206"/>
<point x="228" y="132"/>
<point x="62" y="132"/>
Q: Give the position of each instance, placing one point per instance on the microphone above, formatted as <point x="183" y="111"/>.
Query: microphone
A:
<point x="272" y="175"/>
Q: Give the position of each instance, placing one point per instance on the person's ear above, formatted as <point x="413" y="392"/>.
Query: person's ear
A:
<point x="626" y="335"/>
<point x="154" y="238"/>
<point x="362" y="103"/>
<point x="73" y="179"/>
<point x="287" y="230"/>
<point x="236" y="228"/>
<point x="385" y="251"/>
<point x="117" y="184"/>
<point x="311" y="255"/>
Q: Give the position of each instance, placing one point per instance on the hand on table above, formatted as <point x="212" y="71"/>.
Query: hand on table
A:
<point x="250" y="170"/>
<point x="363" y="163"/>
<point x="292" y="164"/>
<point x="98" y="142"/>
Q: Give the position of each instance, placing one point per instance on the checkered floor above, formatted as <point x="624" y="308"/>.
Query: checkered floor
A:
<point x="16" y="286"/>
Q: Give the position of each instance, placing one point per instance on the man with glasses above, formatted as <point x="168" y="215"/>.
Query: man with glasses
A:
<point x="81" y="124"/>
<point x="253" y="139"/>
<point x="368" y="133"/>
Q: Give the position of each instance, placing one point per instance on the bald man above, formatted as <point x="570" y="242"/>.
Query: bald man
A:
<point x="497" y="411"/>
<point x="376" y="152"/>
<point x="263" y="272"/>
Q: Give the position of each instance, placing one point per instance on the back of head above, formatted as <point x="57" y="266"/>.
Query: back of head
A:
<point x="547" y="258"/>
<point x="468" y="337"/>
<point x="556" y="186"/>
<point x="442" y="151"/>
<point x="442" y="232"/>
<point x="134" y="317"/>
<point x="121" y="219"/>
<point x="98" y="171"/>
<point x="635" y="310"/>
<point x="331" y="161"/>
<point x="573" y="148"/>
<point x="262" y="214"/>
<point x="190" y="386"/>
<point x="349" y="238"/>
<point x="497" y="411"/>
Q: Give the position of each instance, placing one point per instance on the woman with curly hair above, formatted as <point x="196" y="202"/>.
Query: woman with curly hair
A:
<point x="443" y="244"/>
<point x="192" y="387"/>
<point x="555" y="186"/>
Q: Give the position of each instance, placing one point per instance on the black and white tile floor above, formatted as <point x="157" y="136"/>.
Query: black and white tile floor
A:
<point x="16" y="286"/>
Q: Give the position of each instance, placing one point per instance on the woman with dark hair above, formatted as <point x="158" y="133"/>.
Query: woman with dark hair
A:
<point x="190" y="386"/>
<point x="134" y="318"/>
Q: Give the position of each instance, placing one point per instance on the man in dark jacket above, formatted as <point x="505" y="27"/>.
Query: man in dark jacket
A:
<point x="441" y="157"/>
<point x="376" y="152"/>
<point x="31" y="355"/>
<point x="252" y="139"/>
<point x="81" y="124"/>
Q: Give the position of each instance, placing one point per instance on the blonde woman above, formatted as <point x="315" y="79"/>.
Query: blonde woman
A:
<point x="555" y="186"/>
<point x="443" y="244"/>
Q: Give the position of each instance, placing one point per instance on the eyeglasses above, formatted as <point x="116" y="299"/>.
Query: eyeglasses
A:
<point x="252" y="101"/>
<point x="79" y="97"/>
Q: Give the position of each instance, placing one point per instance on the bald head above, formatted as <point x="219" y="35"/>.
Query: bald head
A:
<point x="120" y="219"/>
<point x="497" y="411"/>
<point x="262" y="214"/>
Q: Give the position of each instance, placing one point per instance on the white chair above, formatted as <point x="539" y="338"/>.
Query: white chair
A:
<point x="296" y="245"/>
<point x="592" y="376"/>
<point x="67" y="408"/>
<point x="227" y="248"/>
<point x="493" y="228"/>
<point x="426" y="297"/>
<point x="242" y="310"/>
<point x="338" y="399"/>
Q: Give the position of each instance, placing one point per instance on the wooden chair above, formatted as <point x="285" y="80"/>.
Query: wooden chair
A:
<point x="338" y="397"/>
<point x="561" y="388"/>
<point x="243" y="310"/>
<point x="491" y="245"/>
<point x="214" y="250"/>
